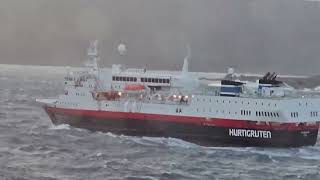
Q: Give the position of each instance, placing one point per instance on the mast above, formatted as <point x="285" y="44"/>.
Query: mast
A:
<point x="92" y="63"/>
<point x="93" y="55"/>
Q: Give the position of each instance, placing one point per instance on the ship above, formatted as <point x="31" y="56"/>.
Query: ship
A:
<point x="178" y="104"/>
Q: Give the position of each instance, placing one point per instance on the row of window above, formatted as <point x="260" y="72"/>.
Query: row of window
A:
<point x="69" y="78"/>
<point x="248" y="113"/>
<point x="67" y="103"/>
<point x="314" y="114"/>
<point x="294" y="114"/>
<point x="155" y="80"/>
<point x="267" y="114"/>
<point x="217" y="111"/>
<point x="178" y="110"/>
<point x="80" y="94"/>
<point x="236" y="102"/>
<point x="134" y="79"/>
<point x="300" y="104"/>
<point x="125" y="79"/>
<point x="245" y="113"/>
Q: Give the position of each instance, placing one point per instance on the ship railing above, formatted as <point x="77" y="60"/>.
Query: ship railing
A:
<point x="147" y="101"/>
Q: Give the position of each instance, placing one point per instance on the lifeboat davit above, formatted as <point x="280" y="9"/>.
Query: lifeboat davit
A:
<point x="134" y="87"/>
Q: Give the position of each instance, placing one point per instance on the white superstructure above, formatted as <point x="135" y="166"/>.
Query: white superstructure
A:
<point x="178" y="93"/>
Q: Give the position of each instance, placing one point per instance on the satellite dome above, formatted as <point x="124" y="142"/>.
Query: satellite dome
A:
<point x="122" y="49"/>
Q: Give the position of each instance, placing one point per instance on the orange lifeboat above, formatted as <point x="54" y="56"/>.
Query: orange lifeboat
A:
<point x="134" y="87"/>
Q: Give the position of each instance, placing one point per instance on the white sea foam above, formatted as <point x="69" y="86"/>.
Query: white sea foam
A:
<point x="60" y="127"/>
<point x="306" y="90"/>
<point x="141" y="177"/>
<point x="317" y="88"/>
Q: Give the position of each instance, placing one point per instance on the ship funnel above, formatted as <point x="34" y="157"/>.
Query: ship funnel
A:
<point x="265" y="77"/>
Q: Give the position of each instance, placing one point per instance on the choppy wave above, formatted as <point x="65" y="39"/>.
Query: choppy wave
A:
<point x="32" y="148"/>
<point x="60" y="127"/>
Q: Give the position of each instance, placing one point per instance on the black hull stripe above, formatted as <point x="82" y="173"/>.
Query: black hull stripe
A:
<point x="199" y="134"/>
<point x="227" y="123"/>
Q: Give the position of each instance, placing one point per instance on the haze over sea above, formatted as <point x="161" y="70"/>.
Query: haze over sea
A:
<point x="32" y="148"/>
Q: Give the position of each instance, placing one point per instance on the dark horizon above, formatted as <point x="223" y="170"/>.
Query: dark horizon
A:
<point x="254" y="36"/>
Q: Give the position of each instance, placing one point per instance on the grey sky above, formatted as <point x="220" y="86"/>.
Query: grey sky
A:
<point x="253" y="35"/>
